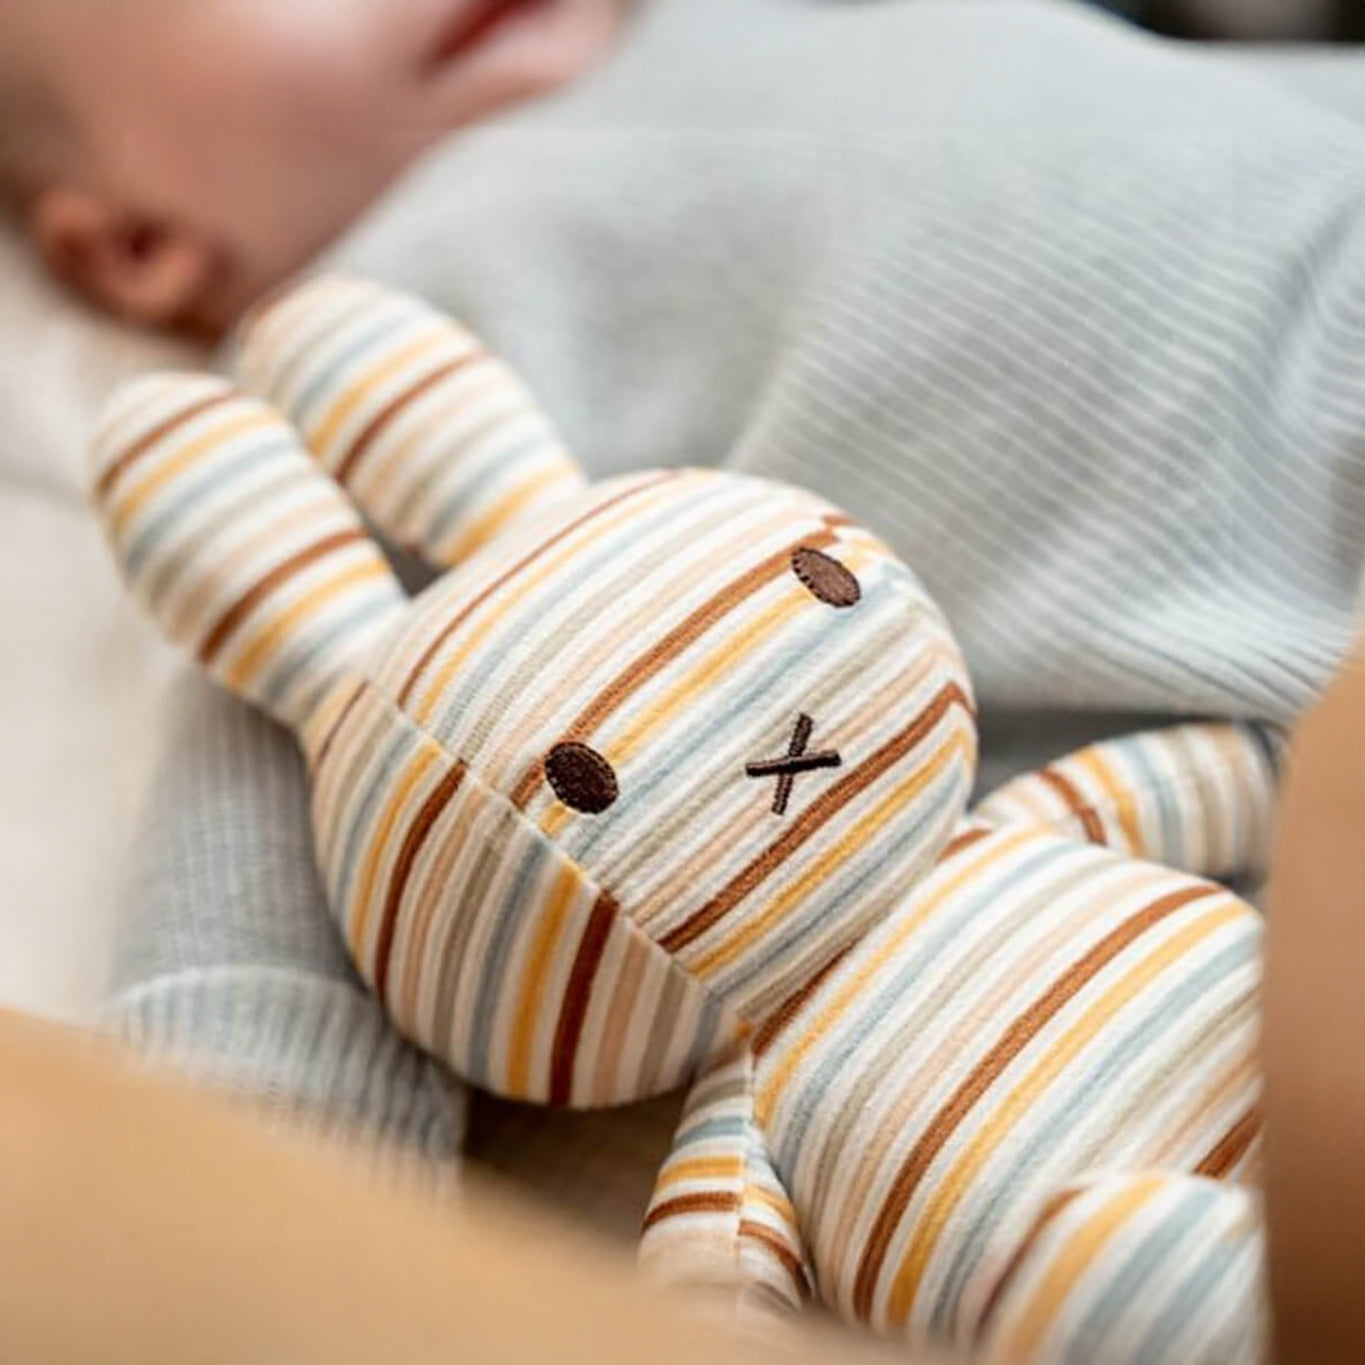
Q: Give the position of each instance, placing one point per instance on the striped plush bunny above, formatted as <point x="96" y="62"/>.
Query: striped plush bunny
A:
<point x="665" y="781"/>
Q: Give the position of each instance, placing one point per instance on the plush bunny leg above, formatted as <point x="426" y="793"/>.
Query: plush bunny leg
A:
<point x="1196" y="797"/>
<point x="720" y="1220"/>
<point x="440" y="445"/>
<point x="1132" y="1269"/>
<point x="233" y="540"/>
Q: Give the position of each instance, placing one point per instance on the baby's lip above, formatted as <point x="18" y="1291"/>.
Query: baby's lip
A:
<point x="473" y="25"/>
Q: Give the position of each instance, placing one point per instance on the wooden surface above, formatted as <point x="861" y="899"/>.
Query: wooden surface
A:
<point x="1314" y="1039"/>
<point x="144" y="1225"/>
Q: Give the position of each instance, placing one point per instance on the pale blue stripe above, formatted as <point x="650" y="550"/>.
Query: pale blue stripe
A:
<point x="826" y="907"/>
<point x="1143" y="1261"/>
<point x="1081" y="1095"/>
<point x="919" y="958"/>
<point x="383" y="328"/>
<point x="730" y="712"/>
<point x="308" y="647"/>
<point x="1192" y="1301"/>
<point x="212" y="474"/>
<point x="467" y="491"/>
<point x="361" y="821"/>
<point x="511" y="914"/>
<point x="471" y="683"/>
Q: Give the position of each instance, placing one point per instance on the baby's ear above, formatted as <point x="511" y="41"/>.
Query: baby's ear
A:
<point x="435" y="438"/>
<point x="230" y="536"/>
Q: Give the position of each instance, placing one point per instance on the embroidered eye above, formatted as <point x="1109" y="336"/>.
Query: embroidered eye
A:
<point x="826" y="578"/>
<point x="581" y="778"/>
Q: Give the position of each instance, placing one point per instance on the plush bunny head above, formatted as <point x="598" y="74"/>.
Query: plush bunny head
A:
<point x="645" y="760"/>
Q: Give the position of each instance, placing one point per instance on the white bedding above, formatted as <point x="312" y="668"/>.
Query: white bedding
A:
<point x="79" y="673"/>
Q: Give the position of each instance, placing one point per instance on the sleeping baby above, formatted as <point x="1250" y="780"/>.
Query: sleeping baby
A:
<point x="1068" y="315"/>
<point x="172" y="159"/>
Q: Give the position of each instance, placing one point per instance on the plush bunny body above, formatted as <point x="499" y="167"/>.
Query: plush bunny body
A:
<point x="667" y="778"/>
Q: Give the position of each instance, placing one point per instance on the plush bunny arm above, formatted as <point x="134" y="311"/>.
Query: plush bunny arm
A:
<point x="720" y="1220"/>
<point x="1130" y="1267"/>
<point x="1198" y="797"/>
<point x="436" y="439"/>
<point x="232" y="539"/>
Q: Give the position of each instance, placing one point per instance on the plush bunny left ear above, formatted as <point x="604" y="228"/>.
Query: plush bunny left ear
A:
<point x="435" y="438"/>
<point x="242" y="549"/>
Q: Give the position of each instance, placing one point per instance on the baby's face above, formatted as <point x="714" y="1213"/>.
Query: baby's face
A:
<point x="270" y="124"/>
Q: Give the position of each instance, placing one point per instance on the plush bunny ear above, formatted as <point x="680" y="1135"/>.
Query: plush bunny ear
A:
<point x="434" y="437"/>
<point x="230" y="536"/>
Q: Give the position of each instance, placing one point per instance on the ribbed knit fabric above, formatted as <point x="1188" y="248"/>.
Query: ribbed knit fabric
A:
<point x="229" y="966"/>
<point x="1071" y="317"/>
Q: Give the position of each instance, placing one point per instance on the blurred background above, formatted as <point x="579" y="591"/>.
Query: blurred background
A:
<point x="1266" y="20"/>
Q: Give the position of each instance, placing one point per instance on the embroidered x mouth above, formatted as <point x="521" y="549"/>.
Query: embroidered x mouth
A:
<point x="795" y="762"/>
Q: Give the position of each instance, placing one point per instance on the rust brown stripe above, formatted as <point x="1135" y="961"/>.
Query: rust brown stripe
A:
<point x="659" y="655"/>
<point x="1233" y="1145"/>
<point x="795" y="1003"/>
<point x="813" y="818"/>
<point x="791" y="1262"/>
<point x="963" y="842"/>
<point x="154" y="437"/>
<point x="402" y="870"/>
<point x="260" y="590"/>
<point x="335" y="729"/>
<point x="545" y="546"/>
<point x="1077" y="804"/>
<point x="390" y="411"/>
<point x="577" y="996"/>
<point x="1050" y="1212"/>
<point x="708" y="1202"/>
<point x="1017" y="1037"/>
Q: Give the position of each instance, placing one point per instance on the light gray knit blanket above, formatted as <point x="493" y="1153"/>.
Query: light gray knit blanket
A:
<point x="1074" y="318"/>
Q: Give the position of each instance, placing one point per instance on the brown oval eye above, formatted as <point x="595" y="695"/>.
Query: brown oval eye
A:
<point x="581" y="778"/>
<point x="826" y="578"/>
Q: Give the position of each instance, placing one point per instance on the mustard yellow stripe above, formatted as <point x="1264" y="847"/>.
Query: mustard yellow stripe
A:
<point x="322" y="437"/>
<point x="526" y="490"/>
<point x="715" y="666"/>
<point x="703" y="1168"/>
<point x="780" y="1074"/>
<point x="285" y="318"/>
<point x="532" y="1005"/>
<point x="779" y="1204"/>
<point x="1072" y="1261"/>
<point x="401" y="466"/>
<point x="278" y="627"/>
<point x="1118" y="796"/>
<point x="318" y="511"/>
<point x="949" y="1191"/>
<point x="421" y="764"/>
<point x="914" y="1084"/>
<point x="140" y="493"/>
<point x="865" y="829"/>
<point x="503" y="603"/>
<point x="685" y="692"/>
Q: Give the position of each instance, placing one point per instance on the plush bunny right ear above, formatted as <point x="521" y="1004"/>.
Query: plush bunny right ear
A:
<point x="434" y="436"/>
<point x="231" y="537"/>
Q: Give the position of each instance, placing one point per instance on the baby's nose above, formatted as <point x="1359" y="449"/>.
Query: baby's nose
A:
<point x="797" y="760"/>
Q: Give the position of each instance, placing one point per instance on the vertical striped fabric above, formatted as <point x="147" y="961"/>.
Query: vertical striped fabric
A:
<point x="1015" y="1118"/>
<point x="228" y="536"/>
<point x="435" y="437"/>
<point x="1200" y="797"/>
<point x="1069" y="316"/>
